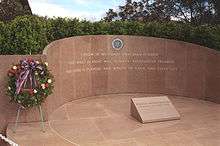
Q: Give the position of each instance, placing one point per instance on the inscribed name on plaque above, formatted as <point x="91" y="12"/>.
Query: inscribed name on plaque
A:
<point x="153" y="109"/>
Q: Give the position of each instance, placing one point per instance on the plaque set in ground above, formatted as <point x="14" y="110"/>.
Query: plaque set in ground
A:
<point x="153" y="109"/>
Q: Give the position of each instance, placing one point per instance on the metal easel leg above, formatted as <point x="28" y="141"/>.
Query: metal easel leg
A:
<point x="17" y="118"/>
<point x="42" y="118"/>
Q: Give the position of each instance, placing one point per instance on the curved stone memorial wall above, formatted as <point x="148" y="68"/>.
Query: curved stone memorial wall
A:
<point x="93" y="65"/>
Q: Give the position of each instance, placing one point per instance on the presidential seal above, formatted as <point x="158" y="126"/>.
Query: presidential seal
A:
<point x="117" y="44"/>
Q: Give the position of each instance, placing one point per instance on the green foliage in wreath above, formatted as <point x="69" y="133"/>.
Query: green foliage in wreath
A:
<point x="29" y="83"/>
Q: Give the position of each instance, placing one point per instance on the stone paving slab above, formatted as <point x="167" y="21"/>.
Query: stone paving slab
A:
<point x="105" y="121"/>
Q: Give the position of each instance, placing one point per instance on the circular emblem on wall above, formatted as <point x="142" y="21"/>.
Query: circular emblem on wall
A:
<point x="117" y="44"/>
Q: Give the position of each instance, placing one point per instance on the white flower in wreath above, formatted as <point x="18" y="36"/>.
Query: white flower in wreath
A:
<point x="49" y="81"/>
<point x="43" y="86"/>
<point x="9" y="88"/>
<point x="35" y="91"/>
<point x="14" y="67"/>
<point x="36" y="73"/>
<point x="37" y="62"/>
<point x="46" y="63"/>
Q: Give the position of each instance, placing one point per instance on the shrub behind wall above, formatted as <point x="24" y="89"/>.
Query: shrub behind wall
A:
<point x="30" y="34"/>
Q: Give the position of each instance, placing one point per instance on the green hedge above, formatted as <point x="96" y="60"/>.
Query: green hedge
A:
<point x="30" y="34"/>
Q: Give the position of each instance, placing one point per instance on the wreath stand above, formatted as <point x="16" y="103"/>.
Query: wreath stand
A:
<point x="23" y="77"/>
<point x="18" y="115"/>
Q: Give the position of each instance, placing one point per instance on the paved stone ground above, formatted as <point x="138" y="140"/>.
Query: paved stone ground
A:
<point x="105" y="121"/>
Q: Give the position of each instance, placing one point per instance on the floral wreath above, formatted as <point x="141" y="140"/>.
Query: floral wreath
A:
<point x="29" y="83"/>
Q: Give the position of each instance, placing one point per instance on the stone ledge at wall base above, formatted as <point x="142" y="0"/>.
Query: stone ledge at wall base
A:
<point x="85" y="66"/>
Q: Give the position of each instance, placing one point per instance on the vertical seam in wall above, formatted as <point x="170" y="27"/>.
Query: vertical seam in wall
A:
<point x="205" y="74"/>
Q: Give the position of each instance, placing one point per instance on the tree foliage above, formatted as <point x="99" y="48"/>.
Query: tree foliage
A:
<point x="196" y="12"/>
<point x="9" y="9"/>
<point x="30" y="34"/>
